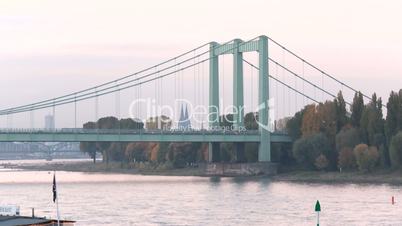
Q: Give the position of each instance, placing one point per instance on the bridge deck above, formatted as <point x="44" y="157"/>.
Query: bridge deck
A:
<point x="135" y="136"/>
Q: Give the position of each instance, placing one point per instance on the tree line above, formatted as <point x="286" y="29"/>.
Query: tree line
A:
<point x="179" y="154"/>
<point x="328" y="136"/>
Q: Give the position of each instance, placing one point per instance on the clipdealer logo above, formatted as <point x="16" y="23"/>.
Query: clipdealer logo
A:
<point x="198" y="114"/>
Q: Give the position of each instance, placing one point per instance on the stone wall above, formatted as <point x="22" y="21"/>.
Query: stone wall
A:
<point x="240" y="169"/>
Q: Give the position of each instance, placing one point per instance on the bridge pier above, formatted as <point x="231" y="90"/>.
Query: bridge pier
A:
<point x="264" y="152"/>
<point x="238" y="97"/>
<point x="237" y="49"/>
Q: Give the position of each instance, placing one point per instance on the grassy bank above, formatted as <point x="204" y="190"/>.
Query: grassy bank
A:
<point x="113" y="167"/>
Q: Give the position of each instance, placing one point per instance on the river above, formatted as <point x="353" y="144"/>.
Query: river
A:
<point x="121" y="199"/>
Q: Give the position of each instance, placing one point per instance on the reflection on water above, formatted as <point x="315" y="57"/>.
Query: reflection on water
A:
<point x="120" y="199"/>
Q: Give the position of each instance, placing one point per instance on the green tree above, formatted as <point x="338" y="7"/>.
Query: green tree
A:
<point x="341" y="113"/>
<point x="395" y="150"/>
<point x="307" y="149"/>
<point x="162" y="153"/>
<point x="348" y="137"/>
<point x="89" y="147"/>
<point x="250" y="121"/>
<point x="357" y="109"/>
<point x="105" y="147"/>
<point x="372" y="123"/>
<point x="226" y="121"/>
<point x="294" y="124"/>
<point x="393" y="122"/>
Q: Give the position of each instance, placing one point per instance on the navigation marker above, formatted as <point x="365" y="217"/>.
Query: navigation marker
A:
<point x="318" y="210"/>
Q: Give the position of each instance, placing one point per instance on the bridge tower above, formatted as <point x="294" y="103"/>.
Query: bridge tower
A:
<point x="237" y="48"/>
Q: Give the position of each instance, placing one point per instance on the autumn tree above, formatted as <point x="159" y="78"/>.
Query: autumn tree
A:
<point x="321" y="162"/>
<point x="346" y="158"/>
<point x="366" y="157"/>
<point x="310" y="125"/>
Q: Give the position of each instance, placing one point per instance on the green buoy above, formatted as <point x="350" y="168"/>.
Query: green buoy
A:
<point x="318" y="210"/>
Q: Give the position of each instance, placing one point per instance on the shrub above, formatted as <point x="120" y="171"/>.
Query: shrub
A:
<point x="347" y="137"/>
<point x="307" y="149"/>
<point x="346" y="158"/>
<point x="321" y="162"/>
<point x="395" y="150"/>
<point x="366" y="157"/>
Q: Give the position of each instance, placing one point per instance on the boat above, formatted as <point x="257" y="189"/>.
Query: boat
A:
<point x="10" y="216"/>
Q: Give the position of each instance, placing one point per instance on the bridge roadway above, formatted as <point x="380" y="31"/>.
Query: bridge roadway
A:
<point x="112" y="135"/>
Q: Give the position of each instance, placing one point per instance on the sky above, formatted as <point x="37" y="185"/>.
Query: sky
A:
<point x="49" y="48"/>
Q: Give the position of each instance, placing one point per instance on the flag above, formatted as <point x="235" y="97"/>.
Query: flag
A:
<point x="54" y="188"/>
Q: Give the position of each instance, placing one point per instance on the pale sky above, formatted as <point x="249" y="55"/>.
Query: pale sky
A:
<point x="49" y="48"/>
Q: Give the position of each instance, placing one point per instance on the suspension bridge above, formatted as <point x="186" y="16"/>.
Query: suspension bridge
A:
<point x="259" y="75"/>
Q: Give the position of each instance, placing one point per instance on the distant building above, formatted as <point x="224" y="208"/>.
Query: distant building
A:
<point x="184" y="120"/>
<point x="49" y="122"/>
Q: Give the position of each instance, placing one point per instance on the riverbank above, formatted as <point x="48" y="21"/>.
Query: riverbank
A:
<point x="393" y="177"/>
<point x="100" y="167"/>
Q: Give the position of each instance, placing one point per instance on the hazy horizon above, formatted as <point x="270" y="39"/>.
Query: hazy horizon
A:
<point x="49" y="49"/>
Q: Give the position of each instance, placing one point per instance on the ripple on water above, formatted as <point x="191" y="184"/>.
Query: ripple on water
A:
<point x="120" y="199"/>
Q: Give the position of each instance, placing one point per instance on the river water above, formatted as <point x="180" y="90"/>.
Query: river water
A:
<point x="120" y="199"/>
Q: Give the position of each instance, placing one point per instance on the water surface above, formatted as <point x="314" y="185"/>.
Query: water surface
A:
<point x="121" y="199"/>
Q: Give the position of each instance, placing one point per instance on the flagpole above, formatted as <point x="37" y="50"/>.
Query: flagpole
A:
<point x="57" y="198"/>
<point x="58" y="213"/>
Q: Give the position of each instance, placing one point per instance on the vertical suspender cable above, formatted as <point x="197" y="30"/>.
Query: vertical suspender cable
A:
<point x="194" y="82"/>
<point x="31" y="119"/>
<point x="139" y="106"/>
<point x="304" y="98"/>
<point x="203" y="92"/>
<point x="75" y="112"/>
<point x="277" y="92"/>
<point x="175" y="90"/>
<point x="118" y="105"/>
<point x="322" y="86"/>
<point x="96" y="105"/>
<point x="54" y="114"/>
<point x="295" y="109"/>
<point x="283" y="92"/>
<point x="252" y="90"/>
<point x="223" y="85"/>
<point x="199" y="89"/>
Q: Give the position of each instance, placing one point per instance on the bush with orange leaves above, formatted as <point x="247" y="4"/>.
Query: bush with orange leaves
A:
<point x="346" y="159"/>
<point x="366" y="157"/>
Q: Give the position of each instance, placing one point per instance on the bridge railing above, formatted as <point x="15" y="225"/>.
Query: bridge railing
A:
<point x="131" y="131"/>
